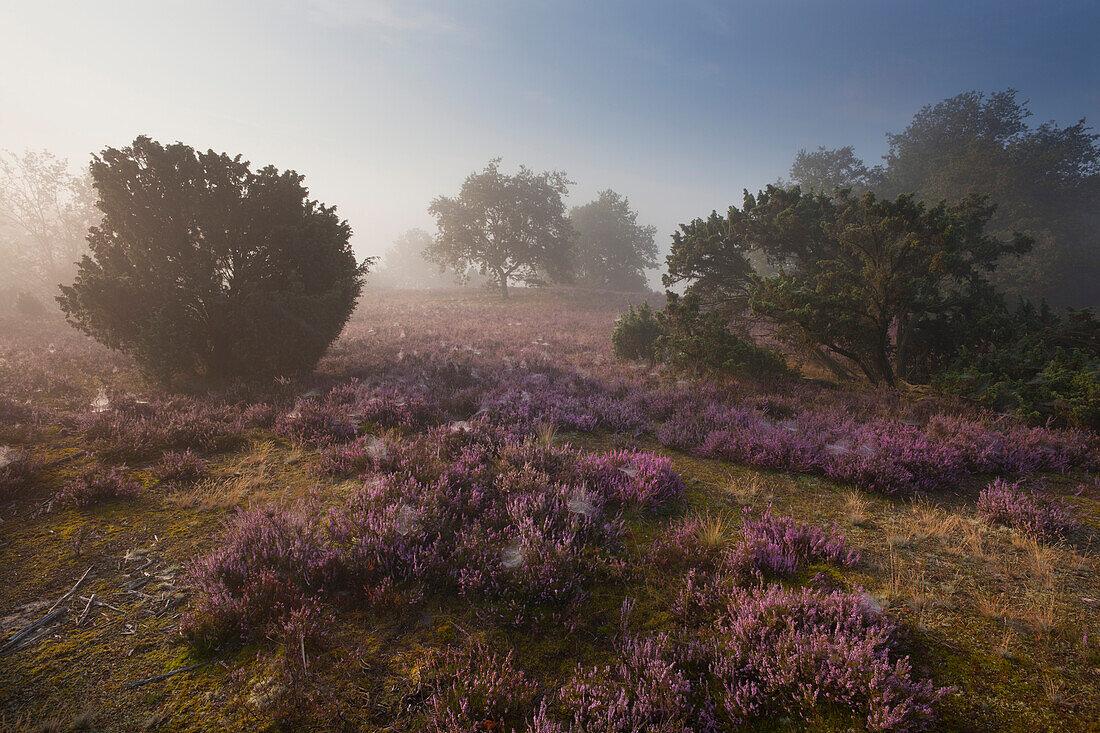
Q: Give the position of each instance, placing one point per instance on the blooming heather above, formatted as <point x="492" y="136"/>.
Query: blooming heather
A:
<point x="1041" y="517"/>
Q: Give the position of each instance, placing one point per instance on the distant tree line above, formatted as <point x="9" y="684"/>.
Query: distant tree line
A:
<point x="504" y="229"/>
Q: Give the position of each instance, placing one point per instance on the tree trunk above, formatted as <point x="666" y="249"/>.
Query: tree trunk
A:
<point x="883" y="357"/>
<point x="503" y="285"/>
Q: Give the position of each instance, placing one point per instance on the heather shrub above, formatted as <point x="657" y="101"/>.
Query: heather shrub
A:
<point x="396" y="407"/>
<point x="636" y="334"/>
<point x="128" y="430"/>
<point x="653" y="685"/>
<point x="266" y="563"/>
<point x="98" y="484"/>
<point x="366" y="453"/>
<point x="476" y="689"/>
<point x="633" y="478"/>
<point x="778" y="545"/>
<point x="19" y="421"/>
<point x="1041" y="517"/>
<point x="458" y="512"/>
<point x="801" y="653"/>
<point x="312" y="423"/>
<point x="179" y="466"/>
<point x="773" y="653"/>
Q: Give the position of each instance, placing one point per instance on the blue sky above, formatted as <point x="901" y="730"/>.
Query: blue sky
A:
<point x="384" y="104"/>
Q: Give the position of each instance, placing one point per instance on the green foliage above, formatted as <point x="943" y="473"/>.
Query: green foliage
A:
<point x="612" y="249"/>
<point x="1045" y="181"/>
<point x="824" y="170"/>
<point x="505" y="227"/>
<point x="203" y="267"/>
<point x="1033" y="363"/>
<point x="701" y="342"/>
<point x="862" y="282"/>
<point x="635" y="335"/>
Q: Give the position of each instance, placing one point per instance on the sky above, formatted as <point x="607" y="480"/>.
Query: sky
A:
<point x="385" y="104"/>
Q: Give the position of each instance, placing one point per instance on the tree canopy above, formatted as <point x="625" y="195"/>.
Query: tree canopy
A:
<point x="825" y="170"/>
<point x="45" y="213"/>
<point x="612" y="249"/>
<point x="204" y="267"/>
<point x="862" y="281"/>
<point x="1044" y="179"/>
<point x="506" y="227"/>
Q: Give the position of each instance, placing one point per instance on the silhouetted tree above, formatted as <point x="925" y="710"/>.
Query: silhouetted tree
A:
<point x="203" y="267"/>
<point x="505" y="227"/>
<point x="612" y="249"/>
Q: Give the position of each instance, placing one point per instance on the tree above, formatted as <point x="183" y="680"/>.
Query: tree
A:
<point x="885" y="280"/>
<point x="405" y="265"/>
<point x="1044" y="179"/>
<point x="203" y="267"/>
<point x="505" y="227"/>
<point x="715" y="256"/>
<point x="612" y="249"/>
<point x="45" y="213"/>
<point x="825" y="170"/>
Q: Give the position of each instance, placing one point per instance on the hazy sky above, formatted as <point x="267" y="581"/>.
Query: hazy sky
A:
<point x="384" y="104"/>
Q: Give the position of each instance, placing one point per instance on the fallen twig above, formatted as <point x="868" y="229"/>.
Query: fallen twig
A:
<point x="96" y="602"/>
<point x="169" y="605"/>
<point x="68" y="595"/>
<point x="146" y="596"/>
<point x="87" y="608"/>
<point x="135" y="584"/>
<point x="164" y="676"/>
<point x="18" y="637"/>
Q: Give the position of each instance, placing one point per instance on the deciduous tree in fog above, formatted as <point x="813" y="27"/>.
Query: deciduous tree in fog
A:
<point x="506" y="227"/>
<point x="45" y="213"/>
<point x="204" y="267"/>
<point x="405" y="264"/>
<point x="1044" y="179"/>
<point x="612" y="249"/>
<point x="825" y="170"/>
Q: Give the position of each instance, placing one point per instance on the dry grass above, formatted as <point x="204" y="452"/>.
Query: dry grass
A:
<point x="248" y="479"/>
<point x="712" y="532"/>
<point x="546" y="434"/>
<point x="858" y="509"/>
<point x="753" y="488"/>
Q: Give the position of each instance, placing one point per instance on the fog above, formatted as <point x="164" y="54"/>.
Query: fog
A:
<point x="384" y="105"/>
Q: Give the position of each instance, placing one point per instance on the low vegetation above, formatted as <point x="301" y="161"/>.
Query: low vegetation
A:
<point x="474" y="516"/>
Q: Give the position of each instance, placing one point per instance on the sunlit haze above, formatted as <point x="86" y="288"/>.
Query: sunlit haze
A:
<point x="384" y="105"/>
